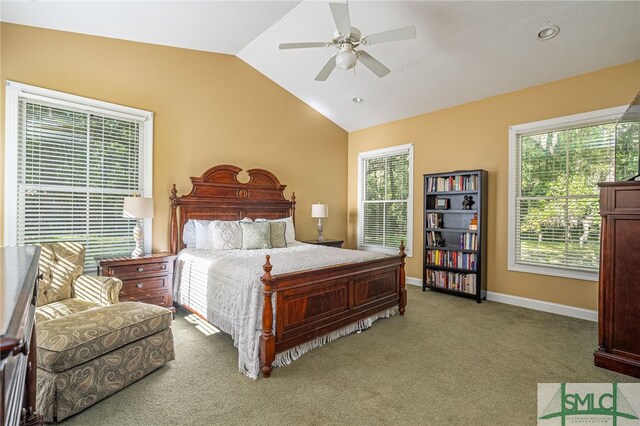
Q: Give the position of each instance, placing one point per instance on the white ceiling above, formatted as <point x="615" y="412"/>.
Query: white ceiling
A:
<point x="464" y="50"/>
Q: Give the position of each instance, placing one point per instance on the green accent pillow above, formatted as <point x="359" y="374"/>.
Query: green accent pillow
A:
<point x="278" y="239"/>
<point x="256" y="235"/>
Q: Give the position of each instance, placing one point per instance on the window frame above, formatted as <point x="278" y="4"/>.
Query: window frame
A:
<point x="14" y="91"/>
<point x="602" y="116"/>
<point x="383" y="152"/>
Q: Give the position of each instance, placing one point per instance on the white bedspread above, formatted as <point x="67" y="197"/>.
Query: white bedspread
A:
<point x="225" y="287"/>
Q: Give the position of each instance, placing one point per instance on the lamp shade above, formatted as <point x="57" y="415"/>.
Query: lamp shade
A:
<point x="137" y="208"/>
<point x="319" y="210"/>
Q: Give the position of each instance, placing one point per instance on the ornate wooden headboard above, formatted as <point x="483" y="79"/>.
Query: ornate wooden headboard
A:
<point x="219" y="195"/>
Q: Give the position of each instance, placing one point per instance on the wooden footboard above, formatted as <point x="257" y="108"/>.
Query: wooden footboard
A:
<point x="315" y="302"/>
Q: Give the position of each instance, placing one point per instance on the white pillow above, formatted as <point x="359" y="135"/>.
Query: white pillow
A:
<point x="189" y="234"/>
<point x="203" y="236"/>
<point x="290" y="231"/>
<point x="225" y="235"/>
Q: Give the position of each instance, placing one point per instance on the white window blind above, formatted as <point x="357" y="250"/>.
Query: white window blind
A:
<point x="556" y="219"/>
<point x="385" y="209"/>
<point x="73" y="167"/>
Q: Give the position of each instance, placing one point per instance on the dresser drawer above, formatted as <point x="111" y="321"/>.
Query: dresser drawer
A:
<point x="154" y="298"/>
<point x="143" y="285"/>
<point x="149" y="268"/>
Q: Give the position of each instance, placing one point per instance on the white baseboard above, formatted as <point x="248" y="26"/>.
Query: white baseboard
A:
<point x="414" y="281"/>
<point x="538" y="305"/>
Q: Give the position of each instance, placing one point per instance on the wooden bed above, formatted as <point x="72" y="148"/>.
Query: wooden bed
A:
<point x="309" y="303"/>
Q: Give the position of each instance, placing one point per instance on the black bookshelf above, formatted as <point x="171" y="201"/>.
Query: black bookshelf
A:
<point x="454" y="259"/>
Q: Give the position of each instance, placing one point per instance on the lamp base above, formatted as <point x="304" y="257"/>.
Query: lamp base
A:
<point x="138" y="237"/>
<point x="320" y="237"/>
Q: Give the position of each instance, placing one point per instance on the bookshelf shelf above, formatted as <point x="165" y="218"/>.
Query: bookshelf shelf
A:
<point x="459" y="230"/>
<point x="454" y="259"/>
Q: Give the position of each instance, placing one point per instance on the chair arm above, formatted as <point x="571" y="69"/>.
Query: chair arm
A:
<point x="97" y="289"/>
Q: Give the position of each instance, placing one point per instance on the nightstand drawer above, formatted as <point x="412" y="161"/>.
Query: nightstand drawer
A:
<point x="136" y="286"/>
<point x="155" y="298"/>
<point x="150" y="268"/>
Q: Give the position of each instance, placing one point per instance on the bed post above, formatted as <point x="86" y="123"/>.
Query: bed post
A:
<point x="293" y="207"/>
<point x="267" y="339"/>
<point x="173" y="231"/>
<point x="403" y="290"/>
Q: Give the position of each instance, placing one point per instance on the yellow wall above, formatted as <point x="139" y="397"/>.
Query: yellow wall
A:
<point x="209" y="109"/>
<point x="475" y="136"/>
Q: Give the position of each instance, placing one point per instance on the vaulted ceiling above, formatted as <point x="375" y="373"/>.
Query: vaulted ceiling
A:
<point x="464" y="50"/>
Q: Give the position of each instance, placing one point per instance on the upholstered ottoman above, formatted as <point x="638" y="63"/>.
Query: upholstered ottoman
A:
<point x="87" y="356"/>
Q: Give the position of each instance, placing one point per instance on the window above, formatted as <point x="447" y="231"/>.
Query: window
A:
<point x="70" y="161"/>
<point x="555" y="165"/>
<point x="385" y="193"/>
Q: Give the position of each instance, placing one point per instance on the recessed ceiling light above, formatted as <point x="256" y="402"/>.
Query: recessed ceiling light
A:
<point x="358" y="100"/>
<point x="548" y="33"/>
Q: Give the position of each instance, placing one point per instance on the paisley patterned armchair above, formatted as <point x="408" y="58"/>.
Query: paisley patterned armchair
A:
<point x="90" y="345"/>
<point x="64" y="290"/>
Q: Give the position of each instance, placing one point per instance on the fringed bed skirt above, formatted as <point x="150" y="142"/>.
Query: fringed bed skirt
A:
<point x="288" y="356"/>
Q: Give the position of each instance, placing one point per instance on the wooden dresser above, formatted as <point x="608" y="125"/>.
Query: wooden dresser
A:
<point x="619" y="286"/>
<point x="18" y="295"/>
<point x="147" y="279"/>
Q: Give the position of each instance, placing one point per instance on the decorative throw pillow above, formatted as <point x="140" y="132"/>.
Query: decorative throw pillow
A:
<point x="290" y="233"/>
<point x="225" y="235"/>
<point x="278" y="239"/>
<point x="60" y="264"/>
<point x="256" y="235"/>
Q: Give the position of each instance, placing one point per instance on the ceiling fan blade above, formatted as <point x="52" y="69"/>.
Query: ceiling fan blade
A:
<point x="327" y="69"/>
<point x="340" y="12"/>
<point x="373" y="64"/>
<point x="303" y="45"/>
<point x="404" y="33"/>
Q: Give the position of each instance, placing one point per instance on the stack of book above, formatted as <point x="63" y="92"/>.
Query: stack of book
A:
<point x="452" y="183"/>
<point x="451" y="259"/>
<point x="434" y="238"/>
<point x="451" y="280"/>
<point x="469" y="241"/>
<point x="434" y="220"/>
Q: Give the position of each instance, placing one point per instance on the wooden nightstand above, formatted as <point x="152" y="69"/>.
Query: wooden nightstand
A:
<point x="326" y="242"/>
<point x="147" y="279"/>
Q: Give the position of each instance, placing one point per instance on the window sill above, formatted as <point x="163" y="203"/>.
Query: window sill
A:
<point x="385" y="250"/>
<point x="555" y="272"/>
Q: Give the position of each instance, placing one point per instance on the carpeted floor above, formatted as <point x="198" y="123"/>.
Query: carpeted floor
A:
<point x="447" y="361"/>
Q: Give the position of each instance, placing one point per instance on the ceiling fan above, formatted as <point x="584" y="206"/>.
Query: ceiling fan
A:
<point x="347" y="38"/>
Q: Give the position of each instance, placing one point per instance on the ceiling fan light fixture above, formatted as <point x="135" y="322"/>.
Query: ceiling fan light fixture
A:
<point x="548" y="33"/>
<point x="346" y="59"/>
<point x="358" y="100"/>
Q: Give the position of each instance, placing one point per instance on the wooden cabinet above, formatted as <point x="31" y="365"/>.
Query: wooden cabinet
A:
<point x="326" y="242"/>
<point x="18" y="296"/>
<point x="619" y="284"/>
<point x="147" y="279"/>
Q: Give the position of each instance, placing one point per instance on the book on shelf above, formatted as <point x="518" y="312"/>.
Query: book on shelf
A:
<point x="452" y="183"/>
<point x="451" y="259"/>
<point x="465" y="283"/>
<point x="468" y="241"/>
<point x="434" y="238"/>
<point x="435" y="220"/>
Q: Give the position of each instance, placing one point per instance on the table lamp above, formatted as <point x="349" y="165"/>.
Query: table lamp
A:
<point x="319" y="211"/>
<point x="137" y="208"/>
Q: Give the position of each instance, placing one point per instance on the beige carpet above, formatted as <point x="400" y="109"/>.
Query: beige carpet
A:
<point x="447" y="361"/>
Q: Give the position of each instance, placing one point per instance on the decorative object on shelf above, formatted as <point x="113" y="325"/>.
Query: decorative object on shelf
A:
<point x="459" y="266"/>
<point x="319" y="211"/>
<point x="137" y="208"/>
<point x="442" y="203"/>
<point x="473" y="223"/>
<point x="467" y="202"/>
